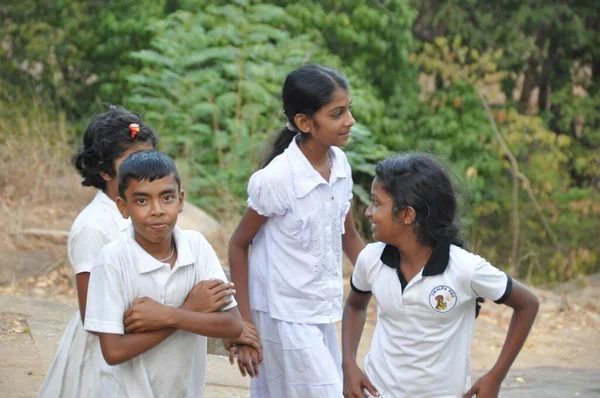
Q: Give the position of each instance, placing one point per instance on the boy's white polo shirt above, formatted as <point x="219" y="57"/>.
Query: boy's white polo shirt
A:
<point x="125" y="271"/>
<point x="422" y="342"/>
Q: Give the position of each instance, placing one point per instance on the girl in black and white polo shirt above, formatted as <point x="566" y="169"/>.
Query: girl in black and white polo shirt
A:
<point x="426" y="287"/>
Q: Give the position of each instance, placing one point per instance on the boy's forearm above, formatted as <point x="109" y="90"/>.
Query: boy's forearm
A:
<point x="117" y="348"/>
<point x="224" y="324"/>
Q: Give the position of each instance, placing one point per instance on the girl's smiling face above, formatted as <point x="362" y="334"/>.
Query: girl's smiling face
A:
<point x="332" y="122"/>
<point x="387" y="226"/>
<point x="380" y="213"/>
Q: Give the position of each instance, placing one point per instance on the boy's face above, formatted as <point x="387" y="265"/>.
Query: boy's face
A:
<point x="153" y="207"/>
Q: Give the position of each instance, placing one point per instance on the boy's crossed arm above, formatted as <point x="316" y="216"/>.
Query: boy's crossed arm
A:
<point x="154" y="322"/>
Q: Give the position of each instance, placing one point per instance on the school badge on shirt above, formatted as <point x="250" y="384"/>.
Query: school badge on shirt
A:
<point x="442" y="298"/>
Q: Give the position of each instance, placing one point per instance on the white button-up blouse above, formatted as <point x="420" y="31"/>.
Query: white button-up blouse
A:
<point x="295" y="264"/>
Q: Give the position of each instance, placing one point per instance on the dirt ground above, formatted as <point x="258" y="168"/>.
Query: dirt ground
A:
<point x="18" y="351"/>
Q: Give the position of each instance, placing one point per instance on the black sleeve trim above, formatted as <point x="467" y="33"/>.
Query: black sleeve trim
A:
<point x="355" y="289"/>
<point x="506" y="295"/>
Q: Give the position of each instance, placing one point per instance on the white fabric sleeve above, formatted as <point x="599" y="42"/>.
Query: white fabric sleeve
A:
<point x="212" y="267"/>
<point x="350" y="180"/>
<point x="359" y="281"/>
<point x="84" y="246"/>
<point x="489" y="282"/>
<point x="105" y="301"/>
<point x="265" y="195"/>
<point x="349" y="184"/>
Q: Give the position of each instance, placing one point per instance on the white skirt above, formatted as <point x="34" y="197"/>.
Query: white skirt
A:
<point x="75" y="371"/>
<point x="299" y="360"/>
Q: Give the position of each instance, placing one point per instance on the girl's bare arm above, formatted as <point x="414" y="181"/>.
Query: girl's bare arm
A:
<point x="239" y="245"/>
<point x="352" y="243"/>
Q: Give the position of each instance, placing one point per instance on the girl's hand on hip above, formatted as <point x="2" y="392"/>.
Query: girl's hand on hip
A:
<point x="488" y="386"/>
<point x="145" y="315"/>
<point x="355" y="381"/>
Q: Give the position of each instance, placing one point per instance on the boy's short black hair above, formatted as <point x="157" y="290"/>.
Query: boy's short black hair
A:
<point x="148" y="165"/>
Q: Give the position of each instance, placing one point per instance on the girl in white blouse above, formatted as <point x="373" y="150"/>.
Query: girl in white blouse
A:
<point x="108" y="139"/>
<point x="289" y="285"/>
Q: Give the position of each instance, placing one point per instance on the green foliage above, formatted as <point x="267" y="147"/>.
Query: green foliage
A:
<point x="75" y="52"/>
<point x="208" y="75"/>
<point x="374" y="42"/>
<point x="373" y="39"/>
<point x="450" y="120"/>
<point x="210" y="84"/>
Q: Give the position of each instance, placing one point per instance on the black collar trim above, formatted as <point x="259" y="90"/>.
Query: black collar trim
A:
<point x="436" y="265"/>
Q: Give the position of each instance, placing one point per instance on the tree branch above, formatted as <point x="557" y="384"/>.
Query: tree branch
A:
<point x="515" y="169"/>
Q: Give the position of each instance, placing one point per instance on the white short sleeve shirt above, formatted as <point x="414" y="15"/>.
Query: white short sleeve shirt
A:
<point x="124" y="272"/>
<point x="422" y="340"/>
<point x="295" y="263"/>
<point x="98" y="224"/>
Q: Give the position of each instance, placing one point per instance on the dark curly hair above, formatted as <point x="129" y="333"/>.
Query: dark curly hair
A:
<point x="106" y="138"/>
<point x="423" y="183"/>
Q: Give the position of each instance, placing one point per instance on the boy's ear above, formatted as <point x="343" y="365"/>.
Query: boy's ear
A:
<point x="122" y="206"/>
<point x="181" y="199"/>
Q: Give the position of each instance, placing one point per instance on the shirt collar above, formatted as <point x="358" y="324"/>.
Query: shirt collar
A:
<point x="436" y="265"/>
<point x="146" y="263"/>
<point x="304" y="176"/>
<point x="111" y="206"/>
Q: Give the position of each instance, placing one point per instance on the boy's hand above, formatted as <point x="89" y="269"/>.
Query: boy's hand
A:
<point x="488" y="386"/>
<point x="146" y="314"/>
<point x="355" y="381"/>
<point x="248" y="359"/>
<point x="209" y="296"/>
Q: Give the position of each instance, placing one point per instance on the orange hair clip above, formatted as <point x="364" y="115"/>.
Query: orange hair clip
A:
<point x="134" y="128"/>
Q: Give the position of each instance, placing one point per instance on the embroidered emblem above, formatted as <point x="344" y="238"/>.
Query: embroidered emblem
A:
<point x="442" y="298"/>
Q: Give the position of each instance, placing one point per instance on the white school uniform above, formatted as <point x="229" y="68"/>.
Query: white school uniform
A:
<point x="295" y="274"/>
<point x="125" y="271"/>
<point x="74" y="372"/>
<point x="422" y="341"/>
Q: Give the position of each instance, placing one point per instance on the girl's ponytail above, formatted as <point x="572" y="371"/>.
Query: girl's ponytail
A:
<point x="283" y="140"/>
<point x="77" y="159"/>
<point x="87" y="167"/>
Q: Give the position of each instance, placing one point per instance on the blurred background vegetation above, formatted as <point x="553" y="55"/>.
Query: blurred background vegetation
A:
<point x="507" y="92"/>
